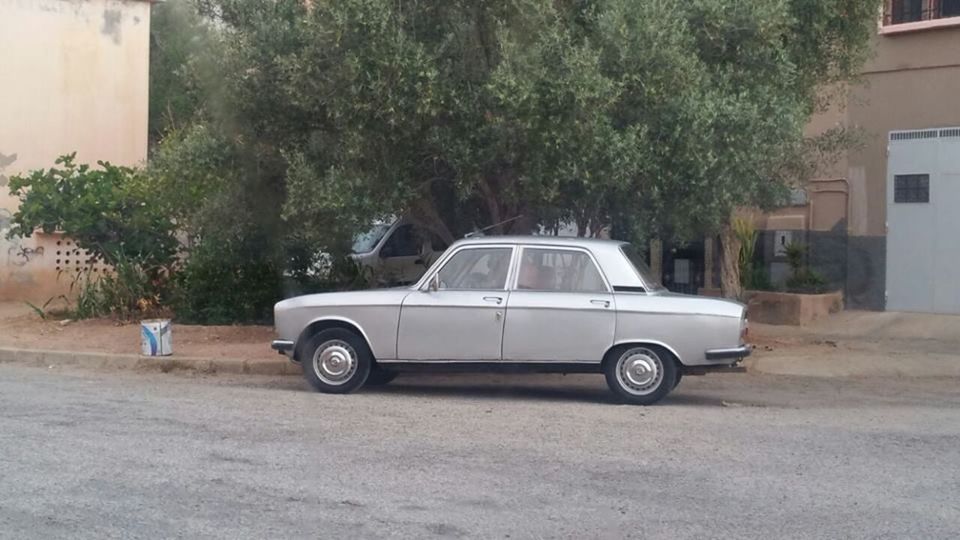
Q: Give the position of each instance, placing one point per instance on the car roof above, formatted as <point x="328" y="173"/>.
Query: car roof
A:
<point x="570" y="241"/>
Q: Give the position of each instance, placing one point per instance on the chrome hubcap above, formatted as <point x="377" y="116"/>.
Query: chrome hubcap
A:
<point x="335" y="362"/>
<point x="640" y="371"/>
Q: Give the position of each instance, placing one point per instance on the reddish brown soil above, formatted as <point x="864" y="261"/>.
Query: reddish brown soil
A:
<point x="29" y="331"/>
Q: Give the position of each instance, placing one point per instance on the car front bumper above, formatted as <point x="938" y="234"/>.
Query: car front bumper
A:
<point x="282" y="346"/>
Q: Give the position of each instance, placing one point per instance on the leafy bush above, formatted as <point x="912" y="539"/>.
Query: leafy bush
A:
<point x="807" y="281"/>
<point x="802" y="278"/>
<point x="130" y="290"/>
<point x="227" y="281"/>
<point x="106" y="211"/>
<point x="756" y="278"/>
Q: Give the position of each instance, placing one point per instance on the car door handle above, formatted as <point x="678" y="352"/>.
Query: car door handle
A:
<point x="495" y="299"/>
<point x="604" y="303"/>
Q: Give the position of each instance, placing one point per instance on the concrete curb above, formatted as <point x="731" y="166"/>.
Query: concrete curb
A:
<point x="165" y="364"/>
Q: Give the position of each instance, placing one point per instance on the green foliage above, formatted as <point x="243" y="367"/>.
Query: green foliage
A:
<point x="106" y="211"/>
<point x="183" y="51"/>
<point x="746" y="232"/>
<point x="128" y="291"/>
<point x="807" y="281"/>
<point x="655" y="116"/>
<point x="756" y="278"/>
<point x="796" y="253"/>
<point x="110" y="213"/>
<point x="308" y="120"/>
<point x="227" y="280"/>
<point x="802" y="278"/>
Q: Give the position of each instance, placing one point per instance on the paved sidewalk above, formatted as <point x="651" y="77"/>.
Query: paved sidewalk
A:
<point x="861" y="343"/>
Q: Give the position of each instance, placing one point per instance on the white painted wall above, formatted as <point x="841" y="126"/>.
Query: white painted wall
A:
<point x="73" y="77"/>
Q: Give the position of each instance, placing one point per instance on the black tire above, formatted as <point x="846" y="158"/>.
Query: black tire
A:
<point x="657" y="374"/>
<point x="379" y="376"/>
<point x="346" y="366"/>
<point x="676" y="383"/>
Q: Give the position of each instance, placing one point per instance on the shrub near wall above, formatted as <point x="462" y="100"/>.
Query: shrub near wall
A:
<point x="226" y="282"/>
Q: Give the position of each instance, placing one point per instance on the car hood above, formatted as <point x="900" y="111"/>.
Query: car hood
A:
<point x="371" y="297"/>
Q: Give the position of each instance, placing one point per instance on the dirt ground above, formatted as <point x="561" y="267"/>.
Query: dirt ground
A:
<point x="25" y="329"/>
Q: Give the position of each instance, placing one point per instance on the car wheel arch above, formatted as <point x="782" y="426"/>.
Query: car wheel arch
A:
<point x="621" y="345"/>
<point x="326" y="323"/>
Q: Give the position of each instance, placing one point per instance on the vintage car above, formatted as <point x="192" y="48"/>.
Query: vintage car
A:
<point x="547" y="304"/>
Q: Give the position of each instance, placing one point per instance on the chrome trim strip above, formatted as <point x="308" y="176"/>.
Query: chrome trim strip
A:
<point x="685" y="314"/>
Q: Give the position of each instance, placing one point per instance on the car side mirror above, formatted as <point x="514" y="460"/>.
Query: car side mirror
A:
<point x="434" y="284"/>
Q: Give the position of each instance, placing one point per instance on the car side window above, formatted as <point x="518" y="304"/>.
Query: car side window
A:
<point x="402" y="243"/>
<point x="559" y="270"/>
<point x="476" y="269"/>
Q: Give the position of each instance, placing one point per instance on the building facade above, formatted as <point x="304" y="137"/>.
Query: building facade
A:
<point x="75" y="76"/>
<point x="882" y="222"/>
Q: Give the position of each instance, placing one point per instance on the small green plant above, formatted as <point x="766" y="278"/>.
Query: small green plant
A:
<point x="38" y="310"/>
<point x="795" y="253"/>
<point x="757" y="279"/>
<point x="803" y="279"/>
<point x="131" y="289"/>
<point x="752" y="276"/>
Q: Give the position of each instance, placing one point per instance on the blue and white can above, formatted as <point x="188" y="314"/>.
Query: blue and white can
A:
<point x="155" y="338"/>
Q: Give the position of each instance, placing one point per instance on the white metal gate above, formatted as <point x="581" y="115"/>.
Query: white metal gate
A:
<point x="923" y="221"/>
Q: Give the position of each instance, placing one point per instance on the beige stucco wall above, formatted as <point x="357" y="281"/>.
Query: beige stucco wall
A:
<point x="75" y="78"/>
<point x="912" y="81"/>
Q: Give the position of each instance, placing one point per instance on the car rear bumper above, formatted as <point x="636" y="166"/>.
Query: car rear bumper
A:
<point x="721" y="361"/>
<point x="737" y="353"/>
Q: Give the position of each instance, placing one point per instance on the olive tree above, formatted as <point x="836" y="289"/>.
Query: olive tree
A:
<point x="653" y="116"/>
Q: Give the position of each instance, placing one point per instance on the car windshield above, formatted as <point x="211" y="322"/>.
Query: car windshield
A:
<point x="646" y="274"/>
<point x="365" y="242"/>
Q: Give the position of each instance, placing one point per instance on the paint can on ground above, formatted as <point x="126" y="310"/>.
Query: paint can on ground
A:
<point x="155" y="338"/>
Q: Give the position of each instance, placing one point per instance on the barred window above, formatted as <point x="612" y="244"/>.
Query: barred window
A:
<point x="911" y="188"/>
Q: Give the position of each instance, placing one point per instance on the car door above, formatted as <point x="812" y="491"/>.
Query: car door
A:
<point x="560" y="308"/>
<point x="463" y="318"/>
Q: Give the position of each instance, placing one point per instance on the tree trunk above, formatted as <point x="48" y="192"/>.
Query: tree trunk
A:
<point x="730" y="263"/>
<point x="425" y="214"/>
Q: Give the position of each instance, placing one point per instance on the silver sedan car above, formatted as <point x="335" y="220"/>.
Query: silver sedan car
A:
<point x="547" y="304"/>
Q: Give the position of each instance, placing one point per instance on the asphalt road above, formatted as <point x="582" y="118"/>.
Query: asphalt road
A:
<point x="102" y="455"/>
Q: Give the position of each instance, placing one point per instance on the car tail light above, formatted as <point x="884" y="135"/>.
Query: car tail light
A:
<point x="744" y="328"/>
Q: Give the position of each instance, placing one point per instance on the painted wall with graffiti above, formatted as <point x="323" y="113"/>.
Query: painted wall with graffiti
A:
<point x="80" y="69"/>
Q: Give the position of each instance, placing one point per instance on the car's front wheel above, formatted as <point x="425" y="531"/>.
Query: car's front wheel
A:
<point x="640" y="374"/>
<point x="338" y="361"/>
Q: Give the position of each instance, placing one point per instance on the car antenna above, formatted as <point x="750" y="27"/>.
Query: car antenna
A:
<point x="488" y="227"/>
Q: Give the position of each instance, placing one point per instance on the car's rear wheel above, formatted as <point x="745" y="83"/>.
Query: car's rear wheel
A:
<point x="640" y="374"/>
<point x="337" y="361"/>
